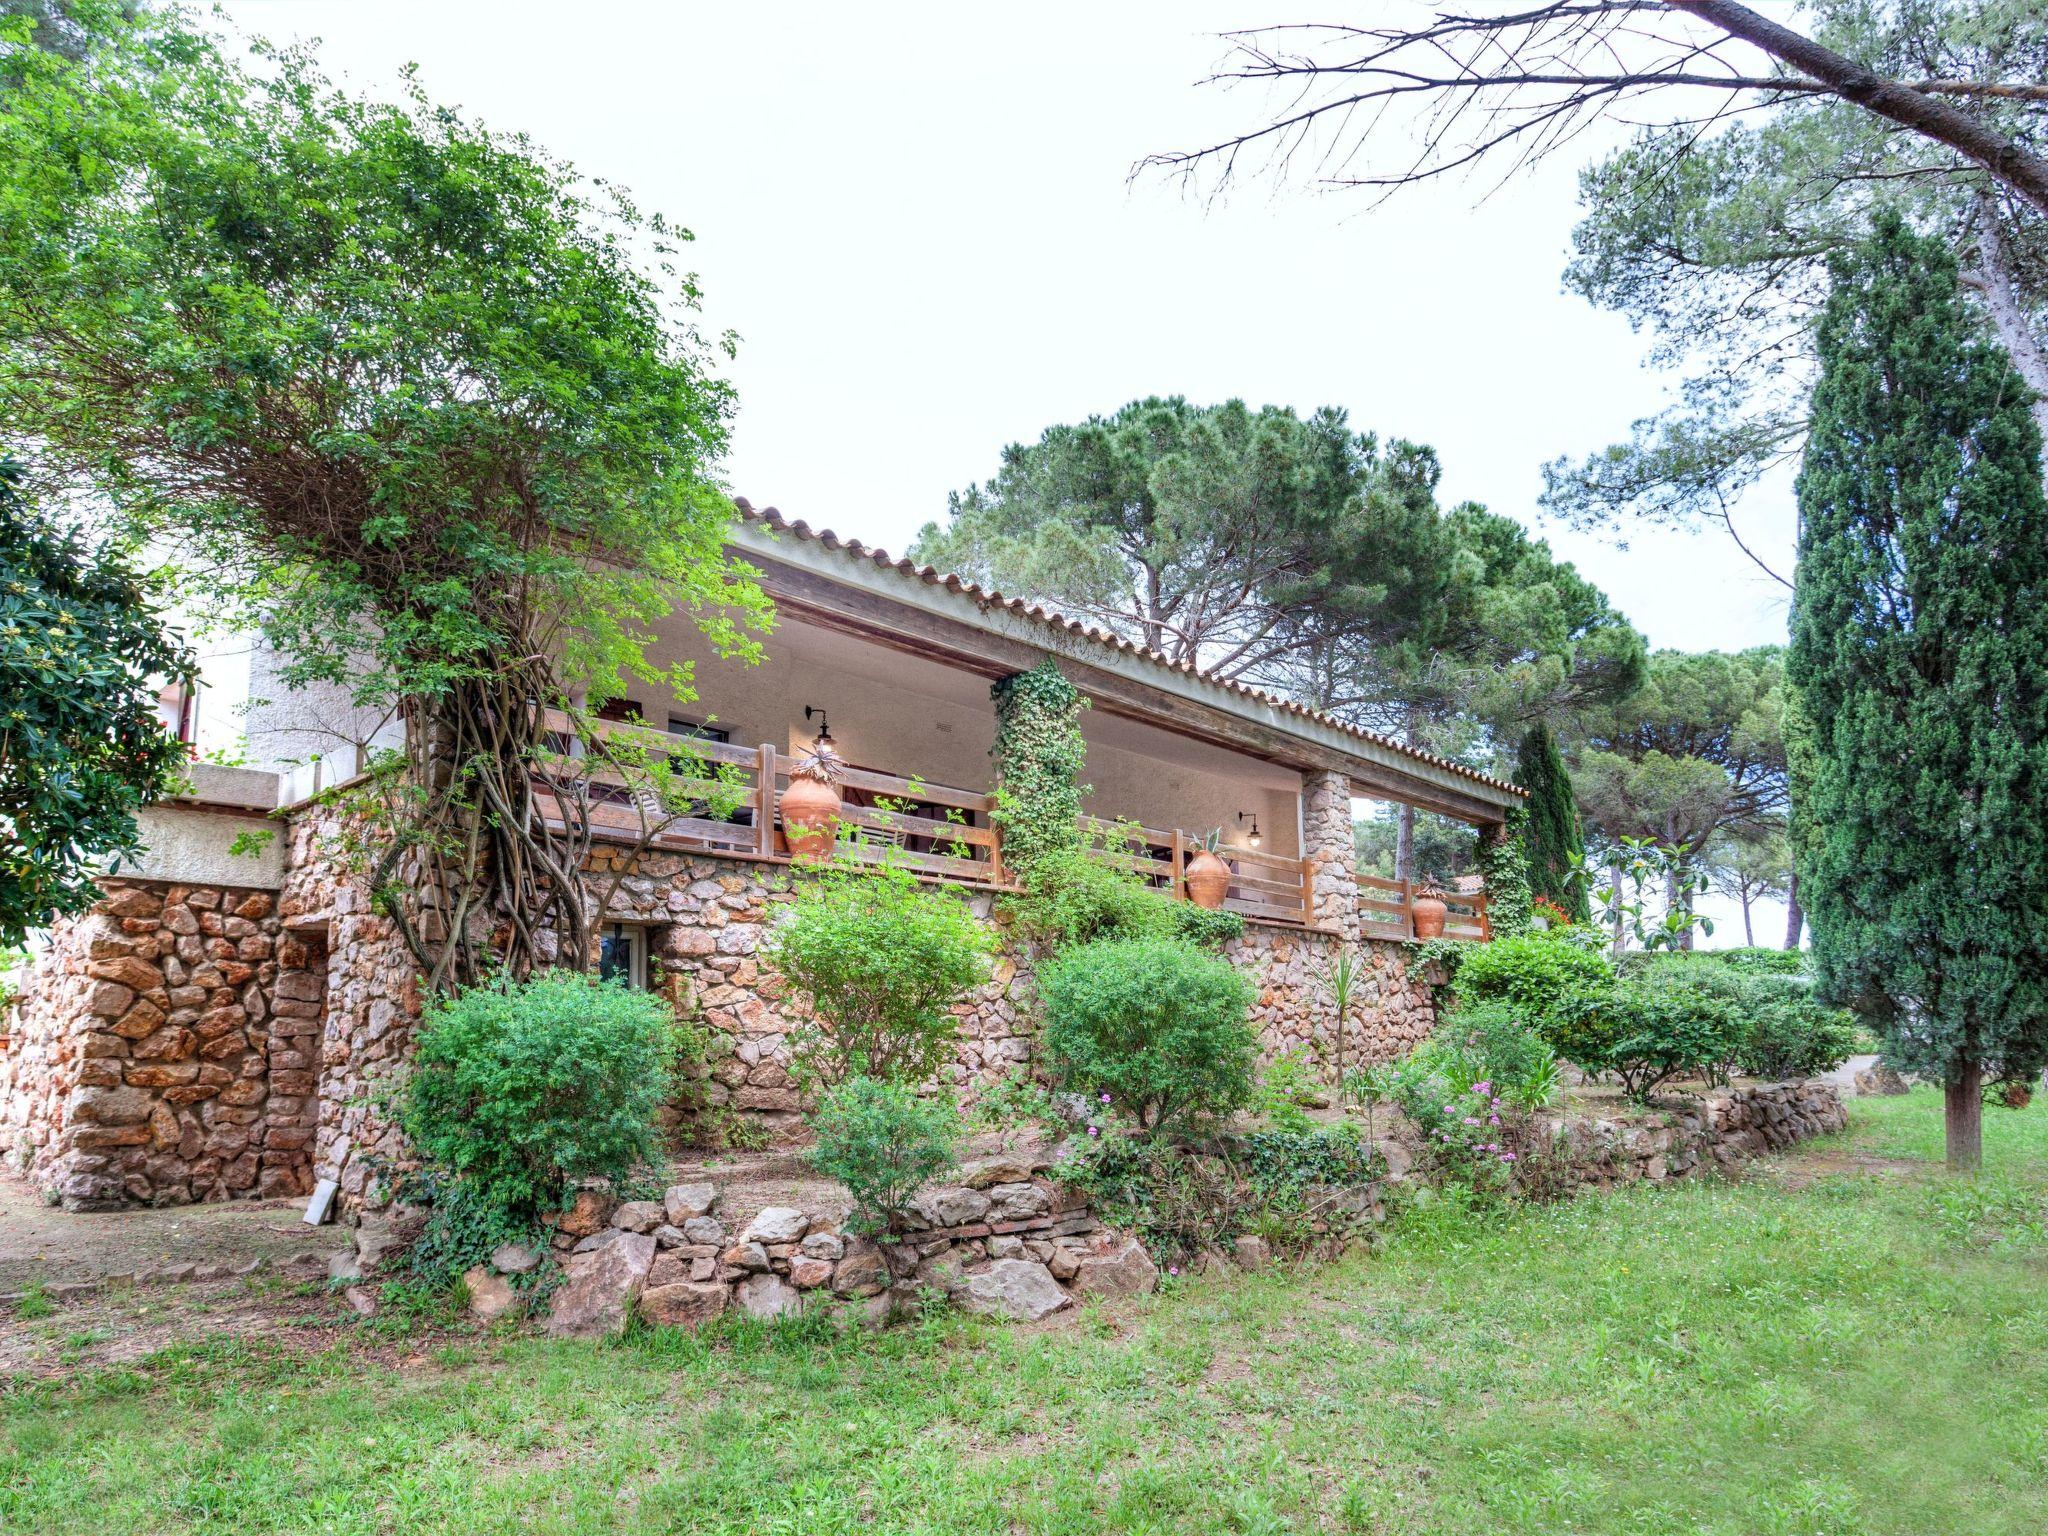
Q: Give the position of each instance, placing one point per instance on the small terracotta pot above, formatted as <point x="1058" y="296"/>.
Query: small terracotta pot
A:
<point x="1208" y="879"/>
<point x="1429" y="913"/>
<point x="810" y="818"/>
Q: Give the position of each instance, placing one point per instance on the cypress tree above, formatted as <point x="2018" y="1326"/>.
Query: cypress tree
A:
<point x="1556" y="847"/>
<point x="1919" y="632"/>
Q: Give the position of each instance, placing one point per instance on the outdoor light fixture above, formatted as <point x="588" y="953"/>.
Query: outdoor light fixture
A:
<point x="1253" y="816"/>
<point x="824" y="739"/>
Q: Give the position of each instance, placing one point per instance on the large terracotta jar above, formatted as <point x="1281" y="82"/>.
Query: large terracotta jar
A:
<point x="1208" y="880"/>
<point x="1429" y="910"/>
<point x="810" y="806"/>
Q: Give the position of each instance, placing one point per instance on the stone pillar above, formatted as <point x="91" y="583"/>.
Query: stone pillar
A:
<point x="1330" y="853"/>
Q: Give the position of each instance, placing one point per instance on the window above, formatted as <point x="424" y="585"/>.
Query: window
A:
<point x="622" y="955"/>
<point x="697" y="730"/>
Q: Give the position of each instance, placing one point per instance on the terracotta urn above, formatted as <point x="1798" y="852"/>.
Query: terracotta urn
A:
<point x="1429" y="911"/>
<point x="810" y="806"/>
<point x="1208" y="880"/>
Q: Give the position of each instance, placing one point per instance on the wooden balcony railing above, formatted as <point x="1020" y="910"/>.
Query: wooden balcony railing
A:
<point x="1386" y="910"/>
<point x="941" y="831"/>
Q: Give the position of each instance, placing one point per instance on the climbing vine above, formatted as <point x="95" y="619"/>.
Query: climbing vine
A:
<point x="1504" y="862"/>
<point x="1039" y="755"/>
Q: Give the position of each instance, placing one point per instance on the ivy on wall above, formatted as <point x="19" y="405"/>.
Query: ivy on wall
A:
<point x="1039" y="755"/>
<point x="1069" y="897"/>
<point x="1504" y="862"/>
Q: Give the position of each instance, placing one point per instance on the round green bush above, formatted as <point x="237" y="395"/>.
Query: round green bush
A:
<point x="1557" y="986"/>
<point x="882" y="1141"/>
<point x="1158" y="1024"/>
<point x="881" y="960"/>
<point x="1666" y="1026"/>
<point x="521" y="1090"/>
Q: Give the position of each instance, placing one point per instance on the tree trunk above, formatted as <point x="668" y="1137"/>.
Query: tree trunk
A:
<point x="1404" y="845"/>
<point x="1963" y="1117"/>
<point x="1614" y="916"/>
<point x="1994" y="279"/>
<point x="1679" y="900"/>
<point x="1748" y="932"/>
<point x="1795" y="916"/>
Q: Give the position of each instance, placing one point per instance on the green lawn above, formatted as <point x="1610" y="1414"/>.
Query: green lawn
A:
<point x="1863" y="1350"/>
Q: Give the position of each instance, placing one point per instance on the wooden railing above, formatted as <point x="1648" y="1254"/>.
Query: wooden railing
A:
<point x="1386" y="910"/>
<point x="931" y="828"/>
<point x="944" y="832"/>
<point x="1263" y="885"/>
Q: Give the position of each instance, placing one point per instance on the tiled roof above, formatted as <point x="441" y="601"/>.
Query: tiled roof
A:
<point x="769" y="517"/>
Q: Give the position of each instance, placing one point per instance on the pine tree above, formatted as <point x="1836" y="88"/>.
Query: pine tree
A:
<point x="1919" y="630"/>
<point x="1557" y="850"/>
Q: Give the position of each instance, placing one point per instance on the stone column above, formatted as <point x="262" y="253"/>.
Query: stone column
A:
<point x="1330" y="853"/>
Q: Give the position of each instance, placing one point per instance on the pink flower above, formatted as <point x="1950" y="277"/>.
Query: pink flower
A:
<point x="1493" y="1119"/>
<point x="1173" y="1269"/>
<point x="1105" y="1098"/>
<point x="1507" y="1157"/>
<point x="1471" y="1119"/>
<point x="1094" y="1130"/>
<point x="1485" y="1087"/>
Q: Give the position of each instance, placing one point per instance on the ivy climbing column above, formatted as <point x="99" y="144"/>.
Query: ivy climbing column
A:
<point x="1038" y="757"/>
<point x="1330" y="853"/>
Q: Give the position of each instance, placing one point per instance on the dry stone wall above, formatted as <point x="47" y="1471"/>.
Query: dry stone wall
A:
<point x="1690" y="1135"/>
<point x="165" y="1051"/>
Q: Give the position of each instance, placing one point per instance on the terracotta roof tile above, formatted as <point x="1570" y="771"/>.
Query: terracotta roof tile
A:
<point x="769" y="517"/>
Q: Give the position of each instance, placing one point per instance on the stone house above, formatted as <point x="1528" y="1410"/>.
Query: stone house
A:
<point x="224" y="1022"/>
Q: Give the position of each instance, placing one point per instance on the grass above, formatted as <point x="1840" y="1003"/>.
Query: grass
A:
<point x="1853" y="1348"/>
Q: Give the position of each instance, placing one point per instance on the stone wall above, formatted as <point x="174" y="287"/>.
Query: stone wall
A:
<point x="164" y="1051"/>
<point x="709" y="919"/>
<point x="1689" y="1135"/>
<point x="373" y="1004"/>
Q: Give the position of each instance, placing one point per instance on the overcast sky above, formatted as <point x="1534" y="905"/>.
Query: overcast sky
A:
<point x="918" y="220"/>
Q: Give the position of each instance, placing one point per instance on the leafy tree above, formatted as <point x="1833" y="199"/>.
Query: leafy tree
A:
<point x="399" y="380"/>
<point x="82" y="653"/>
<point x="1752" y="863"/>
<point x="1698" y="751"/>
<point x="1557" y="852"/>
<point x="1196" y="530"/>
<point x="1718" y="243"/>
<point x="1918" y="627"/>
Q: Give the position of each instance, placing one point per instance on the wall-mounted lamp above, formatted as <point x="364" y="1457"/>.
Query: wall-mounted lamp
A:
<point x="1253" y="818"/>
<point x="824" y="738"/>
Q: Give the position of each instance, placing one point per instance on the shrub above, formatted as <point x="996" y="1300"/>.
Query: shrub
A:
<point x="882" y="1141"/>
<point x="881" y="960"/>
<point x="1667" y="1026"/>
<point x="1285" y="1094"/>
<point x="1157" y="1023"/>
<point x="1556" y="986"/>
<point x="1442" y="1088"/>
<point x="1071" y="897"/>
<point x="522" y="1090"/>
<point x="1783" y="1031"/>
<point x="1796" y="1038"/>
<point x="1509" y="1054"/>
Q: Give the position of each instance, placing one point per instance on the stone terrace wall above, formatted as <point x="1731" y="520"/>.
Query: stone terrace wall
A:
<point x="709" y="920"/>
<point x="165" y="1051"/>
<point x="1714" y="1132"/>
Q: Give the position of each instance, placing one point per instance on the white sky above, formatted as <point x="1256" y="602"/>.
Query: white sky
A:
<point x="918" y="221"/>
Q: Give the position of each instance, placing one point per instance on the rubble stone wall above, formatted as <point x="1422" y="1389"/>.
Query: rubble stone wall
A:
<point x="165" y="1051"/>
<point x="1714" y="1132"/>
<point x="709" y="920"/>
